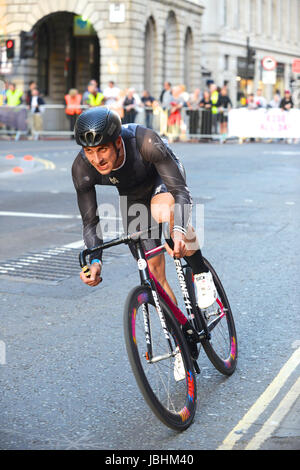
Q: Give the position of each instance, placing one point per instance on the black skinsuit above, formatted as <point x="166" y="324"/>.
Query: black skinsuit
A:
<point x="150" y="167"/>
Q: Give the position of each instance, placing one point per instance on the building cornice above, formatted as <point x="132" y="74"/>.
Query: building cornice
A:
<point x="217" y="39"/>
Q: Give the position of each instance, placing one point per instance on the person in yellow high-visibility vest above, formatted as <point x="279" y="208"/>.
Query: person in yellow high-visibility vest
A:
<point x="13" y="99"/>
<point x="214" y="96"/>
<point x="13" y="95"/>
<point x="95" y="97"/>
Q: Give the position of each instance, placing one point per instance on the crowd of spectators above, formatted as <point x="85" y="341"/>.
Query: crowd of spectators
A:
<point x="256" y="101"/>
<point x="200" y="114"/>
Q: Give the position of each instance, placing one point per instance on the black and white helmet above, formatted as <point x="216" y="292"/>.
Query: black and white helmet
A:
<point x="97" y="126"/>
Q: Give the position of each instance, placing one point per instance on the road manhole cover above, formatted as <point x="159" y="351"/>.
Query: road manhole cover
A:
<point x="52" y="265"/>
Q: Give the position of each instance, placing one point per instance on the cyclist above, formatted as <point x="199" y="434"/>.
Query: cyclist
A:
<point x="145" y="170"/>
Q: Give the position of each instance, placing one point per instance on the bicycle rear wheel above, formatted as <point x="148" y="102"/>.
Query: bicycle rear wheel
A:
<point x="221" y="348"/>
<point x="166" y="378"/>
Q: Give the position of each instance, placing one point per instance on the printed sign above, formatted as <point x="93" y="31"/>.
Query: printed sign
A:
<point x="262" y="123"/>
<point x="269" y="63"/>
<point x="269" y="77"/>
<point x="296" y="66"/>
<point x="117" y="13"/>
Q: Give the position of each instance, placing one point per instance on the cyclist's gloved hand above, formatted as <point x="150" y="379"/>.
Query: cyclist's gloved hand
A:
<point x="179" y="249"/>
<point x="95" y="272"/>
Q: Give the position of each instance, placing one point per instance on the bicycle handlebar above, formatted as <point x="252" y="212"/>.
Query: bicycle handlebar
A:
<point x="117" y="241"/>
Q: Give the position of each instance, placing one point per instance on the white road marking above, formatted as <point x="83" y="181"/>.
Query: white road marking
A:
<point x="75" y="245"/>
<point x="275" y="419"/>
<point x="275" y="152"/>
<point x="38" y="215"/>
<point x="262" y="403"/>
<point x="49" y="216"/>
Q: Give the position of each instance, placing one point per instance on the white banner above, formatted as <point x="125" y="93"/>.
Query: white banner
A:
<point x="262" y="123"/>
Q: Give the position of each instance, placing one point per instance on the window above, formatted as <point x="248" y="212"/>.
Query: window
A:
<point x="226" y="62"/>
<point x="225" y="12"/>
<point x="188" y="59"/>
<point x="149" y="55"/>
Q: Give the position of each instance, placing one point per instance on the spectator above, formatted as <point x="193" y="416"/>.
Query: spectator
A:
<point x="95" y="97"/>
<point x="36" y="109"/>
<point x="95" y="83"/>
<point x="165" y="100"/>
<point x="275" y="102"/>
<point x="92" y="83"/>
<point x="73" y="107"/>
<point x="193" y="104"/>
<point x="287" y="102"/>
<point x="224" y="105"/>
<point x="174" y="119"/>
<point x="3" y="92"/>
<point x="129" y="106"/>
<point x="166" y="95"/>
<point x="183" y="96"/>
<point x="13" y="95"/>
<point x="214" y="96"/>
<point x="111" y="94"/>
<point x="259" y="99"/>
<point x="147" y="101"/>
<point x="32" y="85"/>
<point x="251" y="103"/>
<point x="206" y="115"/>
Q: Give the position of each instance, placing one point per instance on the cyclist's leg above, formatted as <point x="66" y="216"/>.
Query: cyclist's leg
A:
<point x="130" y="207"/>
<point x="162" y="210"/>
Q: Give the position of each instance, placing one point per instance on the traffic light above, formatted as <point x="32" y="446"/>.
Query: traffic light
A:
<point x="27" y="44"/>
<point x="10" y="48"/>
<point x="251" y="53"/>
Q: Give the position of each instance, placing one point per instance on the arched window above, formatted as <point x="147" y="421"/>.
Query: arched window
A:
<point x="149" y="55"/>
<point x="188" y="59"/>
<point x="170" y="49"/>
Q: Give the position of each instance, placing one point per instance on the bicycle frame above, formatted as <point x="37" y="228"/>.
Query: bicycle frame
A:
<point x="193" y="313"/>
<point x="199" y="328"/>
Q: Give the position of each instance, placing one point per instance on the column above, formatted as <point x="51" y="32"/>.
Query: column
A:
<point x="279" y="20"/>
<point x="259" y="17"/>
<point x="270" y="19"/>
<point x="247" y="16"/>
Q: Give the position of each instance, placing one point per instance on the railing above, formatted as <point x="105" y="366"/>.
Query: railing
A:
<point x="187" y="125"/>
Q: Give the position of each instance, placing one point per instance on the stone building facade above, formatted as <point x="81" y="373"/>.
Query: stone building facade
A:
<point x="273" y="29"/>
<point x="142" y="43"/>
<point x="136" y="43"/>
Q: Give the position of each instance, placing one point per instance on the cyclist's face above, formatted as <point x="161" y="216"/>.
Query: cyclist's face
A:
<point x="102" y="157"/>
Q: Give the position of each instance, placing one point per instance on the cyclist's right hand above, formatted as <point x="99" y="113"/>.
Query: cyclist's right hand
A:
<point x="94" y="279"/>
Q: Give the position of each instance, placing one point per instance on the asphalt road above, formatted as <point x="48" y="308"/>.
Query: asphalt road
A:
<point x="65" y="379"/>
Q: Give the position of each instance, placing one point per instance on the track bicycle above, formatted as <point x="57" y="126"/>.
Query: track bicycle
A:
<point x="163" y="343"/>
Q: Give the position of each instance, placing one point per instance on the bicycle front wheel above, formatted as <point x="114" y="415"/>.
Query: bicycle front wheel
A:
<point x="164" y="374"/>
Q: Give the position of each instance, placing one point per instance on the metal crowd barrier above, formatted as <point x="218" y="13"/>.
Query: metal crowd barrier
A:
<point x="186" y="125"/>
<point x="52" y="121"/>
